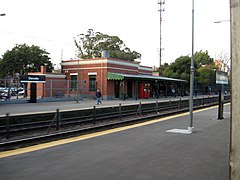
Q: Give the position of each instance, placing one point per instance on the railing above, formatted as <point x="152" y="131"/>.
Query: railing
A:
<point x="14" y="127"/>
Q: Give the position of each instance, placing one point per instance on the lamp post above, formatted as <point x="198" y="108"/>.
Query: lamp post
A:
<point x="192" y="69"/>
<point x="220" y="21"/>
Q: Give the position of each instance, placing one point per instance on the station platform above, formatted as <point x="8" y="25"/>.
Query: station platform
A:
<point x="144" y="151"/>
<point x="31" y="108"/>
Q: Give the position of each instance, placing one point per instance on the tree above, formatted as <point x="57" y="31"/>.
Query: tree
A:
<point x="23" y="59"/>
<point x="91" y="44"/>
<point x="205" y="75"/>
<point x="204" y="68"/>
<point x="224" y="64"/>
<point x="202" y="58"/>
<point x="161" y="69"/>
<point x="179" y="69"/>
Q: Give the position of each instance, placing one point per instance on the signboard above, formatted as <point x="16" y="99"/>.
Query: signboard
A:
<point x="221" y="77"/>
<point x="33" y="79"/>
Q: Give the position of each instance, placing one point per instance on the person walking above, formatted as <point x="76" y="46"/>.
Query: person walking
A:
<point x="173" y="92"/>
<point x="98" y="96"/>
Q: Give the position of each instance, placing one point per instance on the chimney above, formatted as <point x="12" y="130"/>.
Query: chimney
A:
<point x="43" y="69"/>
<point x="105" y="54"/>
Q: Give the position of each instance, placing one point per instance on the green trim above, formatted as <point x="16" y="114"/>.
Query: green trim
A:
<point x="114" y="76"/>
<point x="119" y="76"/>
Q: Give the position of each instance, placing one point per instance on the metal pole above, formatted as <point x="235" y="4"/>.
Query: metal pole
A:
<point x="221" y="102"/>
<point x="77" y="80"/>
<point x="120" y="111"/>
<point x="58" y="120"/>
<point x="51" y="88"/>
<point x="7" y="125"/>
<point x="160" y="48"/>
<point x="160" y="2"/>
<point x="190" y="128"/>
<point x="94" y="114"/>
<point x="83" y="83"/>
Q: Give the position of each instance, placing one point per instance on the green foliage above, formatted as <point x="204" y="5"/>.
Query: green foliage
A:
<point x="22" y="59"/>
<point x="205" y="74"/>
<point x="179" y="69"/>
<point x="91" y="44"/>
<point x="204" y="68"/>
<point x="161" y="69"/>
<point x="202" y="58"/>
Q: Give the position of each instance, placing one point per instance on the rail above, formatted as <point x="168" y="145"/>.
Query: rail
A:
<point x="32" y="126"/>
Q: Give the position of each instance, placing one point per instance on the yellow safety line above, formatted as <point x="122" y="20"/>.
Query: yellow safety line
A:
<point x="88" y="136"/>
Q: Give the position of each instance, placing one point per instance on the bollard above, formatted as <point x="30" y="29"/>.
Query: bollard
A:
<point x="120" y="112"/>
<point x="8" y="125"/>
<point x="180" y="103"/>
<point x="169" y="103"/>
<point x="156" y="107"/>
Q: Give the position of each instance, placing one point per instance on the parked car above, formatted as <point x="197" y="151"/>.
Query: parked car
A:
<point x="20" y="91"/>
<point x="4" y="96"/>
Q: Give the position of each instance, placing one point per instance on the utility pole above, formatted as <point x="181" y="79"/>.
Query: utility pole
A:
<point x="161" y="9"/>
<point x="192" y="69"/>
<point x="235" y="95"/>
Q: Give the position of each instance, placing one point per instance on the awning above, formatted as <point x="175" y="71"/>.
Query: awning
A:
<point x="120" y="76"/>
<point x="115" y="76"/>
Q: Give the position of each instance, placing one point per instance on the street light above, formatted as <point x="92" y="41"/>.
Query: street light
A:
<point x="220" y="21"/>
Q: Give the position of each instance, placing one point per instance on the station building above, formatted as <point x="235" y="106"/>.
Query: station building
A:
<point x="53" y="85"/>
<point x="117" y="78"/>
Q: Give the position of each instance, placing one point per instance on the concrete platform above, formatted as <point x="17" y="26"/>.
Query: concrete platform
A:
<point x="68" y="105"/>
<point x="144" y="152"/>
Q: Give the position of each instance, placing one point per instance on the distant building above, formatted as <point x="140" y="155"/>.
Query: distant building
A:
<point x="54" y="86"/>
<point x="221" y="66"/>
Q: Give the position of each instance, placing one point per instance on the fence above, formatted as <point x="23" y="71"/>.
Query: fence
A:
<point x="12" y="89"/>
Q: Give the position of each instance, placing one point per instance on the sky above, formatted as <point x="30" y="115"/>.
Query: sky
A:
<point x="52" y="25"/>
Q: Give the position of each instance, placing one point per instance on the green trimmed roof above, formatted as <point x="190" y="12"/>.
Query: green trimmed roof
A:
<point x="120" y="76"/>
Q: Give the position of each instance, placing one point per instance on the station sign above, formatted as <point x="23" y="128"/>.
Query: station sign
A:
<point x="33" y="79"/>
<point x="221" y="77"/>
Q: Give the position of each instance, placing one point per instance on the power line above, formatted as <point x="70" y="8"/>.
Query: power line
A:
<point x="35" y="37"/>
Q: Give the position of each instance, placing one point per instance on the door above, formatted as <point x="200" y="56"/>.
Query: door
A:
<point x="116" y="89"/>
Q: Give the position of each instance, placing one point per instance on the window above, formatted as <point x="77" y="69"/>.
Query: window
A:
<point x="92" y="83"/>
<point x="74" y="83"/>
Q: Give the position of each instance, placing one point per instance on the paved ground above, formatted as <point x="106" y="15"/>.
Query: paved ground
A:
<point x="67" y="105"/>
<point x="141" y="153"/>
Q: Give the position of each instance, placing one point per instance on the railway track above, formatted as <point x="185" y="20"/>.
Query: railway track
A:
<point x="20" y="131"/>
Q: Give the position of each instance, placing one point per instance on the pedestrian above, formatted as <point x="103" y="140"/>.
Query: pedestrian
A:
<point x="98" y="96"/>
<point x="173" y="92"/>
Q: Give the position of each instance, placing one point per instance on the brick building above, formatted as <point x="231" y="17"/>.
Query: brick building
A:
<point x="116" y="79"/>
<point x="54" y="85"/>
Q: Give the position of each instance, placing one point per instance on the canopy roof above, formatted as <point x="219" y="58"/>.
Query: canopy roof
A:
<point x="120" y="76"/>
